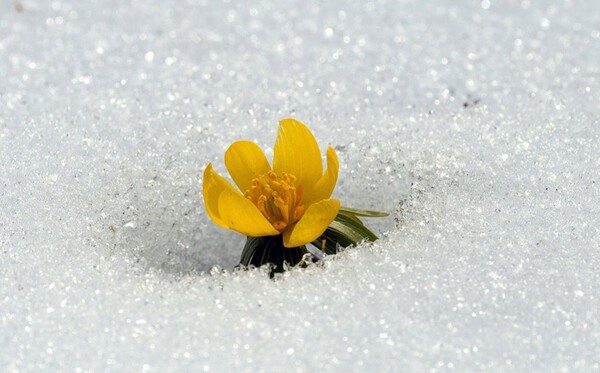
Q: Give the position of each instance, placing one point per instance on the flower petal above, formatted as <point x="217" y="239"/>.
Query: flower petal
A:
<point x="245" y="161"/>
<point x="213" y="186"/>
<point x="240" y="214"/>
<point x="312" y="224"/>
<point x="229" y="209"/>
<point x="324" y="187"/>
<point x="296" y="152"/>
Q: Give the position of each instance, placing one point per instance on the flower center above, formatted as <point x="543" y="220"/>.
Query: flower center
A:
<point x="278" y="198"/>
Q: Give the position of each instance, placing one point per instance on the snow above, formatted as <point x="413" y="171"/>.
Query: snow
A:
<point x="476" y="124"/>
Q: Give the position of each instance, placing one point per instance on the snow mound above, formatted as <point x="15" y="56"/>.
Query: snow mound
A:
<point x="475" y="124"/>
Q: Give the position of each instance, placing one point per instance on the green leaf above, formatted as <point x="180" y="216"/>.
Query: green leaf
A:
<point x="334" y="241"/>
<point x="259" y="251"/>
<point x="365" y="213"/>
<point x="357" y="231"/>
<point x="351" y="216"/>
<point x="345" y="230"/>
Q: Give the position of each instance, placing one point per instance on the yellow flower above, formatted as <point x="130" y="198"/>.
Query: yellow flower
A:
<point x="292" y="198"/>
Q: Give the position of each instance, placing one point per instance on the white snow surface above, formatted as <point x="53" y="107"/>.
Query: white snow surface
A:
<point x="475" y="123"/>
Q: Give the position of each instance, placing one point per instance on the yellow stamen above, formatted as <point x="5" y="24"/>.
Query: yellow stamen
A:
<point x="279" y="225"/>
<point x="298" y="212"/>
<point x="277" y="198"/>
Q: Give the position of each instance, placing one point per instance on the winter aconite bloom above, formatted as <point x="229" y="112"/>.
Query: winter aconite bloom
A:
<point x="291" y="198"/>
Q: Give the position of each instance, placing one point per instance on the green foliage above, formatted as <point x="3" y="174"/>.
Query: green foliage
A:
<point x="344" y="231"/>
<point x="365" y="213"/>
<point x="269" y="249"/>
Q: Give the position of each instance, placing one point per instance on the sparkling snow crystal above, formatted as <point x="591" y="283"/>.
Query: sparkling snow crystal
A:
<point x="475" y="124"/>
